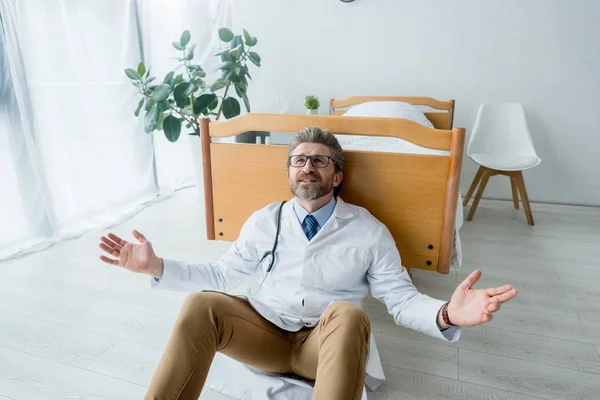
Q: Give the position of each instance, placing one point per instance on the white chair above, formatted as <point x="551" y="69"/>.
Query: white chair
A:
<point x="501" y="144"/>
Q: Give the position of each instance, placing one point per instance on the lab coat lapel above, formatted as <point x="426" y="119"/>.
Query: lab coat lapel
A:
<point x="291" y="221"/>
<point x="340" y="213"/>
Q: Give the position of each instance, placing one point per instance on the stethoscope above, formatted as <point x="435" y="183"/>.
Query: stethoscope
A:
<point x="272" y="252"/>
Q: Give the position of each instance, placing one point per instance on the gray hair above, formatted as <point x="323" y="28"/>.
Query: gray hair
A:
<point x="317" y="135"/>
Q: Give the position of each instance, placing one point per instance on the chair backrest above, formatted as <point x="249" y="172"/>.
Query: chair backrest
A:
<point x="501" y="129"/>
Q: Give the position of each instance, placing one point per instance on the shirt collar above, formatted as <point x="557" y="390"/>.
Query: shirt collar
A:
<point x="321" y="215"/>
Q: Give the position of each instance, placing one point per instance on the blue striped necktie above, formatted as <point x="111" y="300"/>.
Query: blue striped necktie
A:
<point x="310" y="226"/>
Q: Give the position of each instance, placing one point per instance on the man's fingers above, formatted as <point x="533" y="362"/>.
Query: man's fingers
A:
<point x="109" y="260"/>
<point x="498" y="290"/>
<point x="141" y="238"/>
<point x="471" y="279"/>
<point x="117" y="239"/>
<point x="487" y="317"/>
<point x="507" y="296"/>
<point x="110" y="243"/>
<point x="109" y="250"/>
<point x="494" y="306"/>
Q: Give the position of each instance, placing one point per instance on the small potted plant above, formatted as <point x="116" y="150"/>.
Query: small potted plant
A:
<point x="312" y="105"/>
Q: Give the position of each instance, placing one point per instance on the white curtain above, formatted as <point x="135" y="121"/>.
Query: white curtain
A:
<point x="72" y="155"/>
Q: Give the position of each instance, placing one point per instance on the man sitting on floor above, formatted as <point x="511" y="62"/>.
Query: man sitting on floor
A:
<point x="297" y="311"/>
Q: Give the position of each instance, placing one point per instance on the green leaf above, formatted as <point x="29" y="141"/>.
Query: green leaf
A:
<point x="247" y="38"/>
<point x="227" y="76"/>
<point x="162" y="105"/>
<point x="243" y="78"/>
<point x="218" y="85"/>
<point x="237" y="41"/>
<point x="226" y="56"/>
<point x="214" y="104"/>
<point x="182" y="101"/>
<point x="139" y="107"/>
<point x="224" y="66"/>
<point x="149" y="104"/>
<point x="178" y="79"/>
<point x="169" y="78"/>
<point x="172" y="128"/>
<point x="240" y="88"/>
<point x="246" y="102"/>
<point x="159" y="125"/>
<point x="254" y="57"/>
<point x="247" y="73"/>
<point x="150" y="120"/>
<point x="161" y="92"/>
<point x="203" y="101"/>
<point x="185" y="38"/>
<point x="231" y="107"/>
<point x="150" y="89"/>
<point x="183" y="89"/>
<point x="225" y="34"/>
<point x="132" y="74"/>
<point x="236" y="51"/>
<point x="177" y="46"/>
<point x="189" y="56"/>
<point x="254" y="42"/>
<point x="150" y="80"/>
<point x="141" y="69"/>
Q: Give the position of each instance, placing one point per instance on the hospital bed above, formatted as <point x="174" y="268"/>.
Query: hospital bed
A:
<point x="405" y="173"/>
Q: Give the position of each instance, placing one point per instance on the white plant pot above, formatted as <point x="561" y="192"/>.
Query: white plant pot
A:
<point x="312" y="112"/>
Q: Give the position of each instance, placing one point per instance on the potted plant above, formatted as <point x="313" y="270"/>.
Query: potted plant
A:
<point x="183" y="98"/>
<point x="312" y="104"/>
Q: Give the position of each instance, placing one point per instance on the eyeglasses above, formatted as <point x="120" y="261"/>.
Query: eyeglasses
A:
<point x="317" y="161"/>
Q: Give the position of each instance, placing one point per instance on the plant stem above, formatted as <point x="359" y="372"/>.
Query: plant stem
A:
<point x="192" y="122"/>
<point x="224" y="96"/>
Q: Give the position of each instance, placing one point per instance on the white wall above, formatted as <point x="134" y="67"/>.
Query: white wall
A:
<point x="542" y="53"/>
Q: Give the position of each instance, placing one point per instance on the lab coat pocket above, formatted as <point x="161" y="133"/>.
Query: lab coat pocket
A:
<point x="342" y="267"/>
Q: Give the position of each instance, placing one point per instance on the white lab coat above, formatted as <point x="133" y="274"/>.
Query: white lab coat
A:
<point x="352" y="253"/>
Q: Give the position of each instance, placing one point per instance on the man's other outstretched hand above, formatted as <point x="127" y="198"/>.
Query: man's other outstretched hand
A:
<point x="135" y="257"/>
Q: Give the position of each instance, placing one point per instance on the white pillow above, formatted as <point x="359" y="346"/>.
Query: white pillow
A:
<point x="389" y="109"/>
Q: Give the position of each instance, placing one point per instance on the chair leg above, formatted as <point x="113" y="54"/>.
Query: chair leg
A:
<point x="484" y="180"/>
<point x="473" y="185"/>
<point x="523" y="191"/>
<point x="513" y="185"/>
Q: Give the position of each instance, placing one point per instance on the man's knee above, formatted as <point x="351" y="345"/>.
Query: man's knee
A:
<point x="201" y="308"/>
<point x="347" y="314"/>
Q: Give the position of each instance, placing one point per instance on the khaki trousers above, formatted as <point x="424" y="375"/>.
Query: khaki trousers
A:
<point x="333" y="353"/>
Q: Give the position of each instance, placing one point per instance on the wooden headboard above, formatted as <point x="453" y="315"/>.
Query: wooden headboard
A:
<point x="442" y="118"/>
<point x="414" y="195"/>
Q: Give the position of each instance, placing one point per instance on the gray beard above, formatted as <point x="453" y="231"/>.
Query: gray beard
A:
<point x="311" y="191"/>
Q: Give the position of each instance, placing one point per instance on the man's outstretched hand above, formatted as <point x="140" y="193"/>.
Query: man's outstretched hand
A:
<point x="470" y="307"/>
<point x="135" y="257"/>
